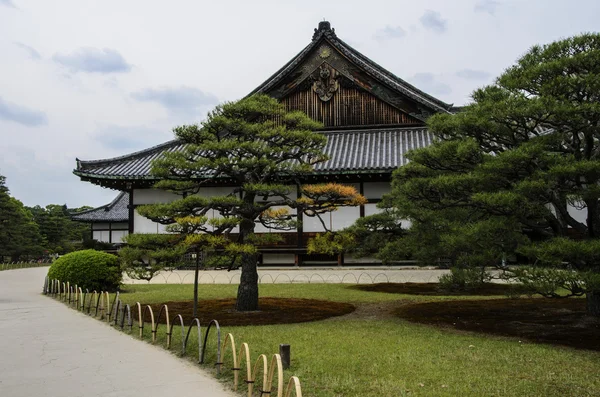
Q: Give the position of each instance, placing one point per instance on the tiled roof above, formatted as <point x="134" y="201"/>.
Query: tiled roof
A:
<point x="115" y="211"/>
<point x="352" y="151"/>
<point x="325" y="32"/>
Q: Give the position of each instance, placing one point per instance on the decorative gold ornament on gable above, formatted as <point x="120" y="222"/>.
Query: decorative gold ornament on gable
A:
<point x="326" y="83"/>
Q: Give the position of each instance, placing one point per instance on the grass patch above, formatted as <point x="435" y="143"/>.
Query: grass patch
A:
<point x="160" y="293"/>
<point x="372" y="352"/>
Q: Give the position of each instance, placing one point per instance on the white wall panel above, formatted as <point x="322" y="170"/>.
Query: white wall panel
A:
<point x="375" y="190"/>
<point x="310" y="224"/>
<point x="152" y="196"/>
<point x="215" y="191"/>
<point x="261" y="229"/>
<point x="579" y="214"/>
<point x="344" y="217"/>
<point x="102" y="236"/>
<point x="145" y="225"/>
<point x="118" y="235"/>
<point x="371" y="209"/>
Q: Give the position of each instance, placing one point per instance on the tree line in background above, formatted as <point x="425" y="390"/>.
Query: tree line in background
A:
<point x="33" y="233"/>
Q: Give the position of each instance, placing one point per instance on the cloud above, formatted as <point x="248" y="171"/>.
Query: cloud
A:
<point x="433" y="20"/>
<point x="8" y="3"/>
<point x="390" y="32"/>
<point x="32" y="52"/>
<point x="471" y="74"/>
<point x="94" y="60"/>
<point x="19" y="114"/>
<point x="427" y="82"/>
<point x="178" y="100"/>
<point x="130" y="138"/>
<point x="488" y="6"/>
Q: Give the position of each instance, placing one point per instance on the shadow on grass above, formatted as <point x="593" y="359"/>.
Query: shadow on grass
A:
<point x="555" y="321"/>
<point x="433" y="289"/>
<point x="272" y="311"/>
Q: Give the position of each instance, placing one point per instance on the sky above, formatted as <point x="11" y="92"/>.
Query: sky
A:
<point x="94" y="79"/>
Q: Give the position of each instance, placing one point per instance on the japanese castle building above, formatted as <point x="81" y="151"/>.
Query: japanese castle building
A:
<point x="371" y="119"/>
<point x="110" y="222"/>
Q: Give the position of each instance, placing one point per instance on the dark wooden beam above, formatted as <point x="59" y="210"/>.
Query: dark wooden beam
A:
<point x="131" y="210"/>
<point x="361" y="188"/>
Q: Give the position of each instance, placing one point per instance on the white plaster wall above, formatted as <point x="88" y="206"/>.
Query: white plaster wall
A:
<point x="259" y="228"/>
<point x="152" y="196"/>
<point x="102" y="236"/>
<point x="118" y="235"/>
<point x="580" y="214"/>
<point x="145" y="225"/>
<point x="336" y="220"/>
<point x="310" y="224"/>
<point x="375" y="190"/>
<point x="371" y="209"/>
<point x="344" y="217"/>
<point x="215" y="191"/>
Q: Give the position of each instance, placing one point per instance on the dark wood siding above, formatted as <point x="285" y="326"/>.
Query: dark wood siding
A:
<point x="349" y="106"/>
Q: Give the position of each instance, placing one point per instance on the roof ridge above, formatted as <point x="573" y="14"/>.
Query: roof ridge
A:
<point x="116" y="200"/>
<point x="103" y="209"/>
<point x="392" y="75"/>
<point x="327" y="33"/>
<point x="89" y="211"/>
<point x="371" y="130"/>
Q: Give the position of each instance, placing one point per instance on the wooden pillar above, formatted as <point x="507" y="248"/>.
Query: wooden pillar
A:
<point x="362" y="206"/>
<point x="297" y="259"/>
<point x="340" y="259"/>
<point x="131" y="210"/>
<point x="110" y="232"/>
<point x="300" y="230"/>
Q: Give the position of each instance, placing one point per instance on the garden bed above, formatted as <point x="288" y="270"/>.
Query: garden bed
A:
<point x="272" y="311"/>
<point x="555" y="321"/>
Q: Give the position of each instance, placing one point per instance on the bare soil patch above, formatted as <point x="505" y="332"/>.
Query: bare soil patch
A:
<point x="433" y="289"/>
<point x="272" y="311"/>
<point x="554" y="321"/>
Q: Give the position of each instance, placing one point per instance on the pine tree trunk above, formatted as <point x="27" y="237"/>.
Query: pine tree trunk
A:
<point x="593" y="303"/>
<point x="196" y="271"/>
<point x="247" y="297"/>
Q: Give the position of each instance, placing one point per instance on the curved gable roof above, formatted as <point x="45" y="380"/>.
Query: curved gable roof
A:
<point x="327" y="34"/>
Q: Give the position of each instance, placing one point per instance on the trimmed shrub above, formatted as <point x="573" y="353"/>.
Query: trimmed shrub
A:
<point x="464" y="279"/>
<point x="94" y="270"/>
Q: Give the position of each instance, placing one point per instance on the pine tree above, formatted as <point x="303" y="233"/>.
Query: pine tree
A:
<point x="261" y="149"/>
<point x="509" y="170"/>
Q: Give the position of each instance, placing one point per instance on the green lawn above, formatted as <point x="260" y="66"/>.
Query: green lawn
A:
<point x="391" y="357"/>
<point x="158" y="293"/>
